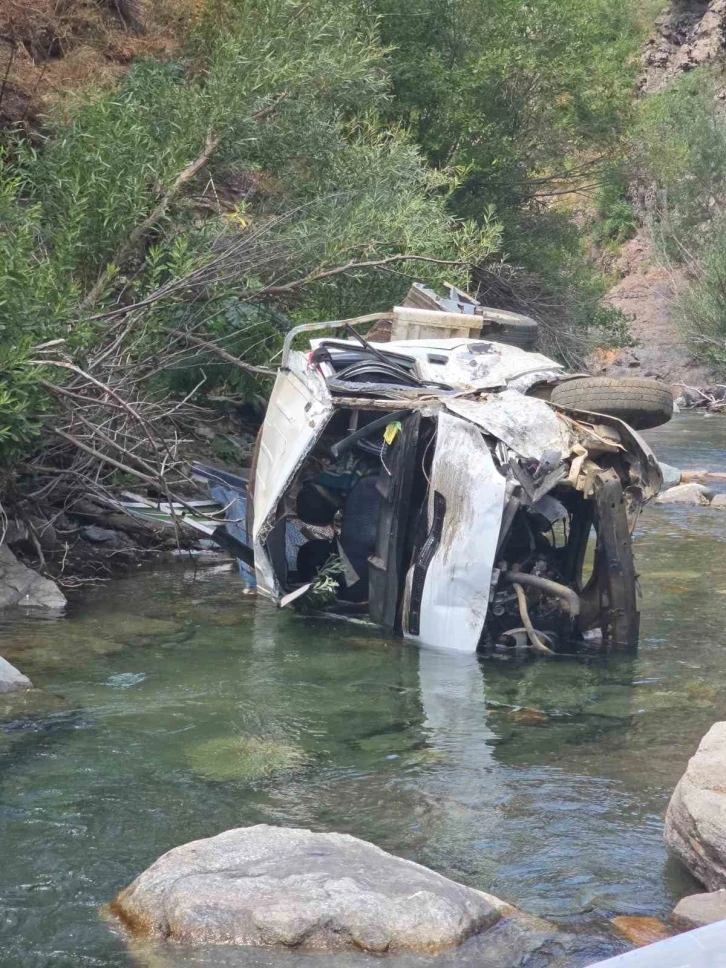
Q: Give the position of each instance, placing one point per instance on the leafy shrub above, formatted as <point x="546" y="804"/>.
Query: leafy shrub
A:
<point x="678" y="157"/>
<point x="616" y="221"/>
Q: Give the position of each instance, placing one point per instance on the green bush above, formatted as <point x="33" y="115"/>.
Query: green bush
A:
<point x="616" y="221"/>
<point x="678" y="161"/>
<point x="292" y="104"/>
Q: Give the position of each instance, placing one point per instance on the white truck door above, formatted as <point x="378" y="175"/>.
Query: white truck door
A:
<point x="447" y="587"/>
<point x="296" y="416"/>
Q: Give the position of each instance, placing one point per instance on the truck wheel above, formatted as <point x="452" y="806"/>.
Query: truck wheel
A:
<point x="514" y="332"/>
<point x="641" y="403"/>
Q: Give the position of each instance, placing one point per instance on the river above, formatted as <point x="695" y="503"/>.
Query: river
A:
<point x="544" y="784"/>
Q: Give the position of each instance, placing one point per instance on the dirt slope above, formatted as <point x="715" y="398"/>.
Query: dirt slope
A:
<point x="51" y="47"/>
<point x="646" y="294"/>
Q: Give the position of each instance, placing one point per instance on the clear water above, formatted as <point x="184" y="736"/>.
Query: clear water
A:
<point x="544" y="784"/>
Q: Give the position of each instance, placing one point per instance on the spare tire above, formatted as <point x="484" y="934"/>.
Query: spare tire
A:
<point x="521" y="332"/>
<point x="641" y="403"/>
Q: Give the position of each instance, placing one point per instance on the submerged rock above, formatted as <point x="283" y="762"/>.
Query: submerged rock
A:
<point x="12" y="679"/>
<point x="32" y="709"/>
<point x="21" y="586"/>
<point x="243" y="758"/>
<point x="693" y="495"/>
<point x="697" y="910"/>
<point x="695" y="823"/>
<point x="642" y="930"/>
<point x="287" y="887"/>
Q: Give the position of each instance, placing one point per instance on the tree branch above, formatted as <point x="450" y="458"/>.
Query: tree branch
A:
<point x="218" y="351"/>
<point x="138" y="234"/>
<point x="351" y="267"/>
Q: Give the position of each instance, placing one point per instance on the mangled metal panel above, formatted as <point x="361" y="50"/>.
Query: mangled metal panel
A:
<point x="297" y="414"/>
<point x="527" y="425"/>
<point x="476" y="363"/>
<point x="447" y="587"/>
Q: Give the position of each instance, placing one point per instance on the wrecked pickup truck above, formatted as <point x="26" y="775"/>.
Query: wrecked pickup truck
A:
<point x="472" y="494"/>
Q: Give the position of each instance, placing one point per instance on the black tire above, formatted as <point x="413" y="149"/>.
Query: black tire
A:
<point x="514" y="332"/>
<point x="641" y="403"/>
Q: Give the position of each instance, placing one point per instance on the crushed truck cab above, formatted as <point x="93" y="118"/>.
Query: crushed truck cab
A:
<point x="462" y="505"/>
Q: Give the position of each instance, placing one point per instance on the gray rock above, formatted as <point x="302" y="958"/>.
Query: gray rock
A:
<point x="695" y="823"/>
<point x="11" y="679"/>
<point x="696" y="910"/>
<point x="289" y="887"/>
<point x="96" y="535"/>
<point x="671" y="475"/>
<point x="694" y="495"/>
<point x="719" y="502"/>
<point x="21" y="586"/>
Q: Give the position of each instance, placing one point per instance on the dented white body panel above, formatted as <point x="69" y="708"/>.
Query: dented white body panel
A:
<point x="299" y="408"/>
<point x="527" y="425"/>
<point x="458" y="577"/>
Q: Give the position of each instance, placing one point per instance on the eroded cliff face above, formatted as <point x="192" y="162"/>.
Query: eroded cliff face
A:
<point x="688" y="33"/>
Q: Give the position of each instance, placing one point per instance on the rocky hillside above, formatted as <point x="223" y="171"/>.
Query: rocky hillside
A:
<point x="688" y="33"/>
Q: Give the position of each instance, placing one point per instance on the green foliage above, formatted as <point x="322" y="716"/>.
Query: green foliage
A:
<point x="292" y="97"/>
<point x="510" y="91"/>
<point x="342" y="134"/>
<point x="678" y="160"/>
<point x="323" y="590"/>
<point x="616" y="216"/>
<point x="678" y="157"/>
<point x="701" y="310"/>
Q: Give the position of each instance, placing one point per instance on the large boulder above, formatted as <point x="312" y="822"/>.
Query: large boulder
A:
<point x="698" y="910"/>
<point x="692" y="495"/>
<point x="11" y="679"/>
<point x="21" y="586"/>
<point x="695" y="823"/>
<point x="288" y="887"/>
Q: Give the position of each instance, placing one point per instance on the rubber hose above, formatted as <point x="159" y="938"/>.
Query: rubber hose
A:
<point x="567" y="595"/>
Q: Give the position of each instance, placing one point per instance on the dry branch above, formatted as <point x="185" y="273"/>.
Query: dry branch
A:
<point x="218" y="351"/>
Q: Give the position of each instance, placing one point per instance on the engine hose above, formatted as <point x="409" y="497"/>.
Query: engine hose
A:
<point x="567" y="595"/>
<point x="536" y="642"/>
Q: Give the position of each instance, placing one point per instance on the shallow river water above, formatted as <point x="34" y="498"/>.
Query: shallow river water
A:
<point x="186" y="707"/>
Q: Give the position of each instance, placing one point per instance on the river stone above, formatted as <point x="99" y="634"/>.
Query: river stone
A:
<point x="21" y="586"/>
<point x="719" y="502"/>
<point x="291" y="887"/>
<point x="694" y="495"/>
<point x="697" y="910"/>
<point x="11" y="679"/>
<point x="695" y="823"/>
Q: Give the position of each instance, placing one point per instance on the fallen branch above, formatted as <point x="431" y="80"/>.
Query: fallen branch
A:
<point x="130" y="246"/>
<point x="141" y="230"/>
<point x="351" y="267"/>
<point x="218" y="351"/>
